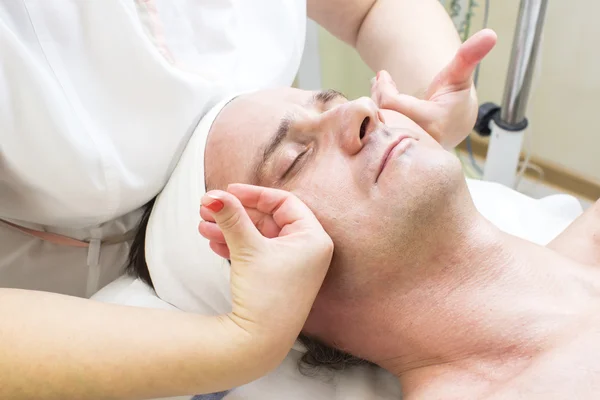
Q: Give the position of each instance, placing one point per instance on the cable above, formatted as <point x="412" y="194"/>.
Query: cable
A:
<point x="468" y="17"/>
<point x="472" y="157"/>
<point x="467" y="169"/>
<point x="486" y="17"/>
<point x="486" y="14"/>
<point x="462" y="15"/>
<point x="463" y="27"/>
<point x="526" y="163"/>
<point x="523" y="165"/>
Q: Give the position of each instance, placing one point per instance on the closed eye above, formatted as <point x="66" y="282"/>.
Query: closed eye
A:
<point x="291" y="167"/>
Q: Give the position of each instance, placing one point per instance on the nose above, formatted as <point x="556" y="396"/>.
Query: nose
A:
<point x="354" y="122"/>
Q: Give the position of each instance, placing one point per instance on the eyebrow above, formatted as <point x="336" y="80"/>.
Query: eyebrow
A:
<point x="321" y="97"/>
<point x="325" y="96"/>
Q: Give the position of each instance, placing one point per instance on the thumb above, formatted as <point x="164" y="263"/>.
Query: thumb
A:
<point x="382" y="86"/>
<point x="459" y="72"/>
<point x="416" y="109"/>
<point x="385" y="94"/>
<point x="232" y="218"/>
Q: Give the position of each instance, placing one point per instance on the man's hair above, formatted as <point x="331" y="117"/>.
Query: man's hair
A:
<point x="318" y="355"/>
<point x="136" y="264"/>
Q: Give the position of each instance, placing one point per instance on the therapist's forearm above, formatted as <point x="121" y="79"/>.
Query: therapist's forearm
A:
<point x="61" y="347"/>
<point x="412" y="39"/>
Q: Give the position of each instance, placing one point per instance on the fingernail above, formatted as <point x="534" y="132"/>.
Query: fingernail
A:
<point x="378" y="75"/>
<point x="212" y="202"/>
<point x="215" y="205"/>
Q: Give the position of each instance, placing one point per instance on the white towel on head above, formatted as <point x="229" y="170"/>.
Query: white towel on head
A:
<point x="185" y="271"/>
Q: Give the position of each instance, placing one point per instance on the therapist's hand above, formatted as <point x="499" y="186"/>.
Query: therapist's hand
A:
<point x="449" y="107"/>
<point x="277" y="271"/>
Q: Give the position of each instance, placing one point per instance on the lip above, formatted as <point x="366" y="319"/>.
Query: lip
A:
<point x="387" y="155"/>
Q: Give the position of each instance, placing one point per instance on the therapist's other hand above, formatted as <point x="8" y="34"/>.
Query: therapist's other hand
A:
<point x="277" y="271"/>
<point x="449" y="107"/>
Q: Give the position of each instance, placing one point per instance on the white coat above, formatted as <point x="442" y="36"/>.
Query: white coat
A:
<point x="97" y="101"/>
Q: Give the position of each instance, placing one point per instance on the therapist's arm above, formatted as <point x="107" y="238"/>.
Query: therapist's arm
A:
<point x="415" y="41"/>
<point x="61" y="347"/>
<point x="412" y="39"/>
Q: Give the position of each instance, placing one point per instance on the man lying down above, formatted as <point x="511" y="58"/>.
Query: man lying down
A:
<point x="420" y="284"/>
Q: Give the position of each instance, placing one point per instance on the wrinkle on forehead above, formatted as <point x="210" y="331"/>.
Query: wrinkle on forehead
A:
<point x="239" y="132"/>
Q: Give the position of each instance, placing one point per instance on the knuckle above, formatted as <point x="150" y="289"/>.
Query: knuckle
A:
<point x="436" y="128"/>
<point x="387" y="99"/>
<point x="329" y="246"/>
<point x="230" y="221"/>
<point x="326" y="244"/>
<point x="384" y="101"/>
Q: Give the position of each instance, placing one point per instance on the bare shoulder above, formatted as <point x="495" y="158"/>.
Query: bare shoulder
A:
<point x="581" y="240"/>
<point x="570" y="371"/>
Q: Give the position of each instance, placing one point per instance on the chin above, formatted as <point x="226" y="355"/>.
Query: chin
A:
<point x="424" y="181"/>
<point x="443" y="173"/>
<point x="425" y="165"/>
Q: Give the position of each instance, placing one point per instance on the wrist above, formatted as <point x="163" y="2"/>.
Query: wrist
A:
<point x="257" y="348"/>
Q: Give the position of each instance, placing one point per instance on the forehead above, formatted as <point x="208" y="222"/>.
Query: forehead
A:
<point x="242" y="128"/>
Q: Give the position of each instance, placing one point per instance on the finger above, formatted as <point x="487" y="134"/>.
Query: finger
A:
<point x="416" y="109"/>
<point x="478" y="46"/>
<point x="232" y="219"/>
<point x="263" y="222"/>
<point x="221" y="250"/>
<point x="460" y="70"/>
<point x="286" y="208"/>
<point x="384" y="77"/>
<point x="206" y="215"/>
<point x="211" y="231"/>
<point x="383" y="86"/>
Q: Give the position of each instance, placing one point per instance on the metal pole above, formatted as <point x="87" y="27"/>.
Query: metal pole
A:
<point x="508" y="127"/>
<point x="522" y="64"/>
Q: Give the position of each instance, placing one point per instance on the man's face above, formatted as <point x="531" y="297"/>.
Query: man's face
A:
<point x="372" y="177"/>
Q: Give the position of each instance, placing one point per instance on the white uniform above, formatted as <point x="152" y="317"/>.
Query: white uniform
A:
<point x="97" y="101"/>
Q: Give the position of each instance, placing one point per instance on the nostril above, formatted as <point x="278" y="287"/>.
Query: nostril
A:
<point x="363" y="127"/>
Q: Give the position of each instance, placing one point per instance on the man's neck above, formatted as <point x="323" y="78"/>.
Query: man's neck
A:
<point x="480" y="307"/>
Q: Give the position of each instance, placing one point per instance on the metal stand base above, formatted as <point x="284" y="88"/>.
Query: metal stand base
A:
<point x="503" y="154"/>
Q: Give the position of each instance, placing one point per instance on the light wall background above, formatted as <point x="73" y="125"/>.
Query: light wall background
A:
<point x="564" y="107"/>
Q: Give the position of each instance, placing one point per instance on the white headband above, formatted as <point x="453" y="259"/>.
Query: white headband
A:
<point x="185" y="271"/>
